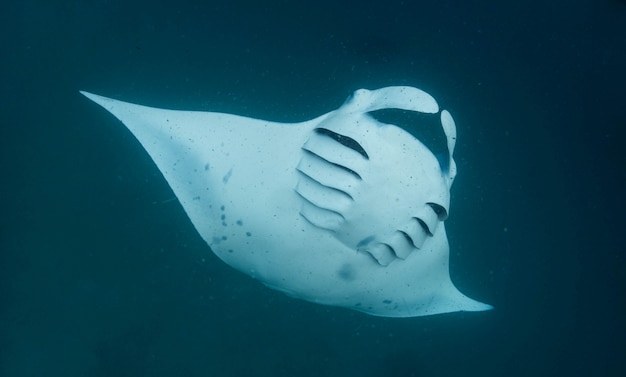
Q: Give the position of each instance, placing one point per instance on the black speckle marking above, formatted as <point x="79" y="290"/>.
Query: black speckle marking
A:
<point x="248" y="234"/>
<point x="346" y="272"/>
<point x="224" y="223"/>
<point x="224" y="238"/>
<point x="223" y="217"/>
<point x="217" y="240"/>
<point x="206" y="167"/>
<point x="230" y="250"/>
<point x="196" y="198"/>
<point x="365" y="241"/>
<point x="387" y="301"/>
<point x="222" y="208"/>
<point x="239" y="222"/>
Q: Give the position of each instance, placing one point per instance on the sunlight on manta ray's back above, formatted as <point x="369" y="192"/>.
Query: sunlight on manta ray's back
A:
<point x="346" y="209"/>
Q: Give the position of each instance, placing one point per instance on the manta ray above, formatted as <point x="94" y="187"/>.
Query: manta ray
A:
<point x="346" y="209"/>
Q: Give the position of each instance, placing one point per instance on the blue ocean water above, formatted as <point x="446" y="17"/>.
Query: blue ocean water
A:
<point x="102" y="274"/>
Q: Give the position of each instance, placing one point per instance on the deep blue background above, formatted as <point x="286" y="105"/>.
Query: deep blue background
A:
<point x="102" y="275"/>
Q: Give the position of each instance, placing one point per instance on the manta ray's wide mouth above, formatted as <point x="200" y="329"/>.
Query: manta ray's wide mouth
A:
<point x="423" y="126"/>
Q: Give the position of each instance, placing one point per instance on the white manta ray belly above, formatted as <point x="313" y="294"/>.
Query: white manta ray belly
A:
<point x="343" y="210"/>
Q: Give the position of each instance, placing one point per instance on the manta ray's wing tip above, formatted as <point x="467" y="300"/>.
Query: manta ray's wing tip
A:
<point x="91" y="96"/>
<point x="479" y="307"/>
<point x="105" y="102"/>
<point x="465" y="304"/>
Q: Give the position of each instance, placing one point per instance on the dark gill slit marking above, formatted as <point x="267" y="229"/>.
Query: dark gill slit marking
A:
<point x="424" y="226"/>
<point x="323" y="185"/>
<point x="315" y="225"/>
<point x="393" y="251"/>
<point x="408" y="238"/>
<point x="344" y="140"/>
<point x="319" y="207"/>
<point x="439" y="210"/>
<point x="332" y="163"/>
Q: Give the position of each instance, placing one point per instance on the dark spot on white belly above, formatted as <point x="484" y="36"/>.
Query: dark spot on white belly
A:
<point x="346" y="272"/>
<point x="227" y="176"/>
